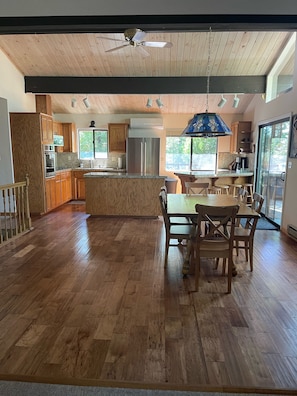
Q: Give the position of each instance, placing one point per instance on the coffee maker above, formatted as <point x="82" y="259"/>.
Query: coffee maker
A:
<point x="241" y="163"/>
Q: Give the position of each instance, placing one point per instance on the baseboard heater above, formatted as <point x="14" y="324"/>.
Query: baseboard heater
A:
<point x="292" y="231"/>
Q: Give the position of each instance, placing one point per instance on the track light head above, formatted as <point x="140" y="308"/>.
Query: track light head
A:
<point x="149" y="102"/>
<point x="86" y="103"/>
<point x="235" y="102"/>
<point x="159" y="102"/>
<point x="222" y="102"/>
<point x="73" y="102"/>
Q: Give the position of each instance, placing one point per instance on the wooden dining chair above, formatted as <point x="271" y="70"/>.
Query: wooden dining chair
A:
<point x="215" y="240"/>
<point x="196" y="188"/>
<point x="174" y="230"/>
<point x="244" y="235"/>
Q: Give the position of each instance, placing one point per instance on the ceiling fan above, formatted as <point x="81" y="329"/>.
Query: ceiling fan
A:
<point x="135" y="38"/>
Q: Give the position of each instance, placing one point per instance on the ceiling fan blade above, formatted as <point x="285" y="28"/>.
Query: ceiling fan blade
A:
<point x="111" y="39"/>
<point x="139" y="36"/>
<point x="158" y="44"/>
<point x="144" y="52"/>
<point x="117" y="48"/>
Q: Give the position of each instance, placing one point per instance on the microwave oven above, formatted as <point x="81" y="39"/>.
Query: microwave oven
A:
<point x="58" y="140"/>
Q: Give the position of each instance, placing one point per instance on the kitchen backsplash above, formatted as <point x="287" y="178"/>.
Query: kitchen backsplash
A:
<point x="70" y="160"/>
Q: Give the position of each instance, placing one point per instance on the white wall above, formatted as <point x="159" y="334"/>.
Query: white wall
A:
<point x="261" y="112"/>
<point x="152" y="7"/>
<point x="12" y="98"/>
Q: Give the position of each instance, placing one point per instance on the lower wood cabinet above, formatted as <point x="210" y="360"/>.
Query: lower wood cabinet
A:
<point x="58" y="190"/>
<point x="79" y="189"/>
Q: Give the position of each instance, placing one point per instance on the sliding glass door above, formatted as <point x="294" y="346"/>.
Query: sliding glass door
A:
<point x="271" y="166"/>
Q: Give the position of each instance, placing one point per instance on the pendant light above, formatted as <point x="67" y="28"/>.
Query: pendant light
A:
<point x="207" y="124"/>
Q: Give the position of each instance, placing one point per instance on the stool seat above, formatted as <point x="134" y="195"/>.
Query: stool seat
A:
<point x="224" y="188"/>
<point x="234" y="187"/>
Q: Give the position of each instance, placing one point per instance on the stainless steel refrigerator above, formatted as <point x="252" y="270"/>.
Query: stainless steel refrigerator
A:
<point x="143" y="155"/>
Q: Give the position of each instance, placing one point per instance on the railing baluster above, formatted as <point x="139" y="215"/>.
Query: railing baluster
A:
<point x="15" y="216"/>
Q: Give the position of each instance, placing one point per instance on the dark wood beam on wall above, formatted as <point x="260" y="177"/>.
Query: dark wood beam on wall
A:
<point x="149" y="23"/>
<point x="145" y="85"/>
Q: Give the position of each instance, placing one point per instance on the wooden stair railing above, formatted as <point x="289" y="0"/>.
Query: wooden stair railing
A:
<point x="15" y="218"/>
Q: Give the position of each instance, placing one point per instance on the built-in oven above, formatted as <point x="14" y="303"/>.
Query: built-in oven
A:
<point x="49" y="160"/>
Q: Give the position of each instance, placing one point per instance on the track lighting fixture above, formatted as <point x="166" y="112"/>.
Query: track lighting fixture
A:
<point x="235" y="101"/>
<point x="86" y="102"/>
<point x="149" y="102"/>
<point x="73" y="102"/>
<point x="159" y="102"/>
<point x="222" y="102"/>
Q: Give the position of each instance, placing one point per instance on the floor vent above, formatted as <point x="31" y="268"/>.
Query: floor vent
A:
<point x="292" y="231"/>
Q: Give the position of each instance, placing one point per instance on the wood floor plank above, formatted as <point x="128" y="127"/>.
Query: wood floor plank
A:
<point x="85" y="298"/>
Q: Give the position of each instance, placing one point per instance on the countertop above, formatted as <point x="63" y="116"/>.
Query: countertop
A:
<point x="121" y="175"/>
<point x="225" y="173"/>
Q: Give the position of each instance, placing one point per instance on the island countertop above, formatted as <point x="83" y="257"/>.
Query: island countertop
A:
<point x="219" y="174"/>
<point x="120" y="175"/>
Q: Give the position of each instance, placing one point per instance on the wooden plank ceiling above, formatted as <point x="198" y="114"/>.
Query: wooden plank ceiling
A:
<point x="84" y="55"/>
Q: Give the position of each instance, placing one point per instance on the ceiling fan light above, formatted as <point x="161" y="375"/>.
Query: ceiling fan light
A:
<point x="86" y="103"/>
<point x="159" y="103"/>
<point x="149" y="102"/>
<point x="222" y="102"/>
<point x="235" y="102"/>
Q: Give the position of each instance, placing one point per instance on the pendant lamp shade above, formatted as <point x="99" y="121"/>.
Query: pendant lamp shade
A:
<point x="206" y="125"/>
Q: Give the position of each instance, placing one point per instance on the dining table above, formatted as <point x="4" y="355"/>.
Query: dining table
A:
<point x="183" y="205"/>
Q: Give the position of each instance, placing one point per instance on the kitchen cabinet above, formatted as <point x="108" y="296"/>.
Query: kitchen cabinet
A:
<point x="43" y="104"/>
<point x="50" y="186"/>
<point x="117" y="135"/>
<point x="79" y="189"/>
<point x="27" y="138"/>
<point x="70" y="137"/>
<point x="58" y="130"/>
<point x="58" y="190"/>
<point x="241" y="137"/>
<point x="47" y="129"/>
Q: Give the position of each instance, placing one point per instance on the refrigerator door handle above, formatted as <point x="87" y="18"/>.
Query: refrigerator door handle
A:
<point x="141" y="159"/>
<point x="144" y="158"/>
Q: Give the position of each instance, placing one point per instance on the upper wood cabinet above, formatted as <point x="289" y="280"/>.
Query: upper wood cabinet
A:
<point x="47" y="129"/>
<point x="43" y="104"/>
<point x="117" y="135"/>
<point x="241" y="137"/>
<point x="70" y="137"/>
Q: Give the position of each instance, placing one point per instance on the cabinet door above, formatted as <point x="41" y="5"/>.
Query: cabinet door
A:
<point x="50" y="186"/>
<point x="66" y="186"/>
<point x="47" y="129"/>
<point x="70" y="137"/>
<point x="81" y="189"/>
<point x="58" y="191"/>
<point x="117" y="135"/>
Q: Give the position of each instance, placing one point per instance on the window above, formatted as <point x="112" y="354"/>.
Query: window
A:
<point x="191" y="154"/>
<point x="92" y="143"/>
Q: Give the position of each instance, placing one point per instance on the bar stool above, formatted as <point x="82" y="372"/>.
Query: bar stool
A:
<point x="250" y="189"/>
<point x="214" y="190"/>
<point x="234" y="189"/>
<point x="224" y="188"/>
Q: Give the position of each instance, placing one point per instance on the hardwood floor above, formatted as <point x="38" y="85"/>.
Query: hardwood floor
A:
<point x="87" y="300"/>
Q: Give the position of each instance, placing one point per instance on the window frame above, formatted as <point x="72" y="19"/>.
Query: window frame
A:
<point x="93" y="130"/>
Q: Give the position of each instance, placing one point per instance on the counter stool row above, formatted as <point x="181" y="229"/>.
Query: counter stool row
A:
<point x="232" y="189"/>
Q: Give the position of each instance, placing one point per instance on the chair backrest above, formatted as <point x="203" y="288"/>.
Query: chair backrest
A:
<point x="257" y="202"/>
<point x="242" y="195"/>
<point x="163" y="203"/>
<point x="196" y="188"/>
<point x="216" y="223"/>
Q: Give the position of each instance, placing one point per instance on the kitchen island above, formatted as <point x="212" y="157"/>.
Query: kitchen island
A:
<point x="213" y="178"/>
<point x="123" y="194"/>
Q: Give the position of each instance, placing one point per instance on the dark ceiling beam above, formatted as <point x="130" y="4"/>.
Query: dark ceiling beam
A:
<point x="149" y="23"/>
<point x="145" y="85"/>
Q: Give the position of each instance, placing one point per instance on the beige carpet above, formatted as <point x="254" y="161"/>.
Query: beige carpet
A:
<point x="16" y="388"/>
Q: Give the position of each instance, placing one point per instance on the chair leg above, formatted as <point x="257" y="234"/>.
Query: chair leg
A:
<point x="166" y="252"/>
<point x="197" y="273"/>
<point x="246" y="248"/>
<point x="230" y="267"/>
<point x="251" y="250"/>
